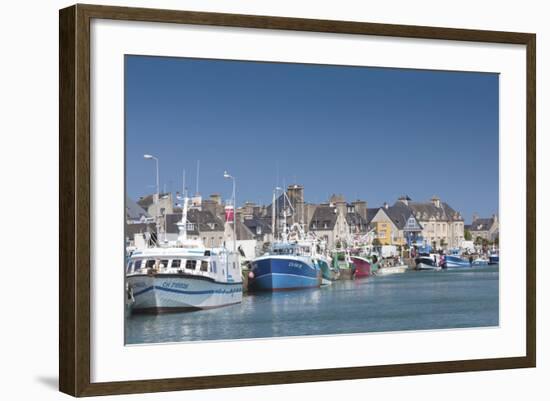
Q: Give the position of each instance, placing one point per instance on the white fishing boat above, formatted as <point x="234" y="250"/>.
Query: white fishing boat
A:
<point x="183" y="276"/>
<point x="428" y="262"/>
<point x="391" y="270"/>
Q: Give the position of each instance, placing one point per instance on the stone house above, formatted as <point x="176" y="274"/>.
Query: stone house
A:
<point x="329" y="223"/>
<point x="442" y="226"/>
<point x="485" y="228"/>
<point x="201" y="225"/>
<point x="396" y="225"/>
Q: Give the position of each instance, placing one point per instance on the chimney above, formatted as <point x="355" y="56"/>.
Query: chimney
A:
<point x="404" y="199"/>
<point x="216" y="198"/>
<point x="495" y="218"/>
<point x="475" y="217"/>
<point x="436" y="201"/>
<point x="360" y="208"/>
<point x="295" y="193"/>
<point x="386" y="206"/>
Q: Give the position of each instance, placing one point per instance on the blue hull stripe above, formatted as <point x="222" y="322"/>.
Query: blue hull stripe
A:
<point x="239" y="289"/>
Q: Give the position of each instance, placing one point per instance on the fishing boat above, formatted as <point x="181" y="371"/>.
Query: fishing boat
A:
<point x="328" y="272"/>
<point x="480" y="262"/>
<point x="362" y="266"/>
<point x="397" y="269"/>
<point x="455" y="261"/>
<point x="341" y="261"/>
<point x="428" y="262"/>
<point x="392" y="265"/>
<point x="494" y="258"/>
<point x="289" y="265"/>
<point x="183" y="276"/>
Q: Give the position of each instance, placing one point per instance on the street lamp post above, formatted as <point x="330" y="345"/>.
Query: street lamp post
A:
<point x="226" y="175"/>
<point x="149" y="157"/>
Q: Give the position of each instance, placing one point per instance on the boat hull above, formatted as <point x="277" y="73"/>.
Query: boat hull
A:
<point x="494" y="260"/>
<point x="362" y="267"/>
<point x="163" y="293"/>
<point x="453" y="262"/>
<point x="278" y="273"/>
<point x="391" y="270"/>
<point x="426" y="266"/>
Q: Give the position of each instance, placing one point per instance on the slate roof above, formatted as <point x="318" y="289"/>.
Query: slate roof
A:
<point x="255" y="222"/>
<point x="399" y="213"/>
<point x="146" y="201"/>
<point x="427" y="211"/>
<point x="134" y="211"/>
<point x="371" y="212"/>
<point x="355" y="219"/>
<point x="138" y="228"/>
<point x="481" y="225"/>
<point x="323" y="215"/>
<point x="203" y="220"/>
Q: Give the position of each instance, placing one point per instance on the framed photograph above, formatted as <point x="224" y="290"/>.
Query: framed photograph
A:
<point x="250" y="200"/>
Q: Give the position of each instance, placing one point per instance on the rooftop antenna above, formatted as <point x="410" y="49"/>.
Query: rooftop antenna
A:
<point x="198" y="170"/>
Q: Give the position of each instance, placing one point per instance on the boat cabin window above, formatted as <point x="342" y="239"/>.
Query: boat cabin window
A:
<point x="204" y="266"/>
<point x="137" y="264"/>
<point x="213" y="267"/>
<point x="150" y="263"/>
<point x="163" y="264"/>
<point x="176" y="263"/>
<point x="190" y="264"/>
<point x="129" y="267"/>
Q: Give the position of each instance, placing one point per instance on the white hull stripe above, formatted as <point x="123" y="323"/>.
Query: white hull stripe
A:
<point x="286" y="274"/>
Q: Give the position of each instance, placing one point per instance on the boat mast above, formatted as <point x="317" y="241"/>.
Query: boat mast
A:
<point x="182" y="224"/>
<point x="273" y="220"/>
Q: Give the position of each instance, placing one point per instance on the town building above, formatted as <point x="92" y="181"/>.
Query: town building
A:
<point x="484" y="228"/>
<point x="201" y="225"/>
<point x="396" y="225"/>
<point x="442" y="226"/>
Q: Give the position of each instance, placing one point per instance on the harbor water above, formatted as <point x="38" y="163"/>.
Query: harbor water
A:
<point x="427" y="300"/>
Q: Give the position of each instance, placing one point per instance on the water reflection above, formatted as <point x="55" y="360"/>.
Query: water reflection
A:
<point x="409" y="301"/>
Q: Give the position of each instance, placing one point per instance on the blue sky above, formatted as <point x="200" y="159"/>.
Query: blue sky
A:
<point x="369" y="133"/>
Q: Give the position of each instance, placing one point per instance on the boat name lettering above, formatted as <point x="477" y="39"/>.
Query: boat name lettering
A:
<point x="172" y="284"/>
<point x="295" y="264"/>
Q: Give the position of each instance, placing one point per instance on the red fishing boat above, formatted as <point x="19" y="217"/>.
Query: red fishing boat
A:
<point x="362" y="266"/>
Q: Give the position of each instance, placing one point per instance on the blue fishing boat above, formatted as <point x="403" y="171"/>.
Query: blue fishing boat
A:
<point x="291" y="262"/>
<point x="453" y="261"/>
<point x="494" y="258"/>
<point x="287" y="266"/>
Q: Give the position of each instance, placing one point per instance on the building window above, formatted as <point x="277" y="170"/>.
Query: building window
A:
<point x="190" y="226"/>
<point x="258" y="230"/>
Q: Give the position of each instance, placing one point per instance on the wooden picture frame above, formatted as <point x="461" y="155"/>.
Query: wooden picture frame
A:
<point x="75" y="207"/>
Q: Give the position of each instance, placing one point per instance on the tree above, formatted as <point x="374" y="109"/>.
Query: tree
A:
<point x="467" y="235"/>
<point x="442" y="243"/>
<point x="496" y="241"/>
<point x="478" y="240"/>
